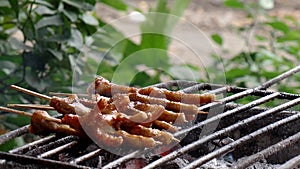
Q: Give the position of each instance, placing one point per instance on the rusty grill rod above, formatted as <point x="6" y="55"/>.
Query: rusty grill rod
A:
<point x="292" y="163"/>
<point x="58" y="150"/>
<point x="32" y="145"/>
<point x="47" y="147"/>
<point x="13" y="134"/>
<point x="267" y="152"/>
<point x="279" y="78"/>
<point x="260" y="87"/>
<point x="220" y="133"/>
<point x="229" y="147"/>
<point x="179" y="83"/>
<point x="228" y="113"/>
<point x="23" y="159"/>
<point x="219" y="89"/>
<point x="86" y="156"/>
<point x="120" y="160"/>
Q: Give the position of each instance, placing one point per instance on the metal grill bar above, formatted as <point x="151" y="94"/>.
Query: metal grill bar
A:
<point x="218" y="89"/>
<point x="279" y="78"/>
<point x="58" y="150"/>
<point x="231" y="146"/>
<point x="268" y="152"/>
<point x="178" y="83"/>
<point x="292" y="163"/>
<point x="121" y="160"/>
<point x="219" y="133"/>
<point x="86" y="156"/>
<point x="228" y="113"/>
<point x="47" y="147"/>
<point x="46" y="163"/>
<point x="260" y="87"/>
<point x="32" y="145"/>
<point x="13" y="134"/>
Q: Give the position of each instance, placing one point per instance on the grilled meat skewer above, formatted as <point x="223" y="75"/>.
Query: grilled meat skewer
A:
<point x="103" y="87"/>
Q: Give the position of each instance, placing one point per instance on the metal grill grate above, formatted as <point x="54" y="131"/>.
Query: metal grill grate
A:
<point x="253" y="119"/>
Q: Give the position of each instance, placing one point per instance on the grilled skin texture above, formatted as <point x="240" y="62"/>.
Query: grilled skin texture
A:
<point x="103" y="87"/>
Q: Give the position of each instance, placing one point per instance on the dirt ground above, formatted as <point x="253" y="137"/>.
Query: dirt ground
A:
<point x="200" y="20"/>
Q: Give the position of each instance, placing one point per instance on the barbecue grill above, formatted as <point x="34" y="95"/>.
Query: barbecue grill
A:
<point x="247" y="135"/>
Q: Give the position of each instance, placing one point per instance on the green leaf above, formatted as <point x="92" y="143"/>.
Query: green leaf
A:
<point x="7" y="67"/>
<point x="237" y="72"/>
<point x="260" y="38"/>
<point x="56" y="53"/>
<point x="281" y="26"/>
<point x="29" y="30"/>
<point x="17" y="45"/>
<point x="14" y="5"/>
<point x="177" y="9"/>
<point x="89" y="19"/>
<point x="217" y="38"/>
<point x="76" y="39"/>
<point x="18" y="120"/>
<point x="268" y="74"/>
<point x="34" y="81"/>
<point x="4" y="4"/>
<point x="179" y="6"/>
<point x="54" y="20"/>
<point x="184" y="72"/>
<point x="44" y="3"/>
<point x="73" y="62"/>
<point x="17" y="59"/>
<point x="289" y="36"/>
<point x="117" y="4"/>
<point x="162" y="6"/>
<point x="70" y="14"/>
<point x="8" y="145"/>
<point x="266" y="4"/>
<point x="143" y="79"/>
<point x="234" y="4"/>
<point x="43" y="10"/>
<point x="150" y="40"/>
<point x="81" y="4"/>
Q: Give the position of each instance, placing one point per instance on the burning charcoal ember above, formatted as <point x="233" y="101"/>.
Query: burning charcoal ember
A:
<point x="229" y="158"/>
<point x="222" y="142"/>
<point x="135" y="164"/>
<point x="260" y="164"/>
<point x="176" y="163"/>
<point x="179" y="162"/>
<point x="216" y="163"/>
<point x="64" y="157"/>
<point x="99" y="165"/>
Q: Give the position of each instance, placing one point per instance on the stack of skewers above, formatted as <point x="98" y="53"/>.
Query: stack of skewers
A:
<point x="116" y="115"/>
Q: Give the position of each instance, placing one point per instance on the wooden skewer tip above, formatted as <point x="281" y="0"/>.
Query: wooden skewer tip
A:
<point x="29" y="92"/>
<point x="23" y="113"/>
<point x="31" y="106"/>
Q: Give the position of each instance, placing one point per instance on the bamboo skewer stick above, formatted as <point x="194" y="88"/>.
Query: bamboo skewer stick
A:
<point x="67" y="94"/>
<point x="23" y="113"/>
<point x="31" y="106"/>
<point x="29" y="92"/>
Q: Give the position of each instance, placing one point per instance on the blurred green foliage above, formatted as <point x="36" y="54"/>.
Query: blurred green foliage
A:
<point x="273" y="47"/>
<point x="43" y="47"/>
